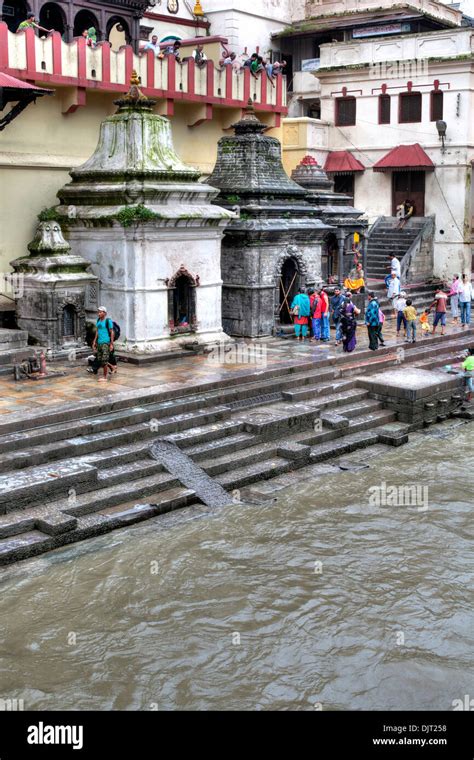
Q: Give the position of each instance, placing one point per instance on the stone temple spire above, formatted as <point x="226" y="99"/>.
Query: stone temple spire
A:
<point x="249" y="164"/>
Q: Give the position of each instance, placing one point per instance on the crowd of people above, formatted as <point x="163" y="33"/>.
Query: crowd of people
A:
<point x="256" y="63"/>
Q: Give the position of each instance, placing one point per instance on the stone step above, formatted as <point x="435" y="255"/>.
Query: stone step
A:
<point x="11" y="340"/>
<point x="19" y="490"/>
<point x="32" y="541"/>
<point x="221" y="446"/>
<point x="15" y="355"/>
<point x="62" y="432"/>
<point x="119" y="493"/>
<point x="312" y="391"/>
<point x="121" y="473"/>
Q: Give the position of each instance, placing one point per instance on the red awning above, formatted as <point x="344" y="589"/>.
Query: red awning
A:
<point x="405" y="158"/>
<point x="342" y="162"/>
<point x="17" y="84"/>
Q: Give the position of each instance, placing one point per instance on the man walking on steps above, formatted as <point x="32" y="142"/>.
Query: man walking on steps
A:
<point x="372" y="320"/>
<point x="439" y="303"/>
<point x="104" y="341"/>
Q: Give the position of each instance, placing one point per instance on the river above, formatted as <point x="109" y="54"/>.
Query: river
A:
<point x="317" y="599"/>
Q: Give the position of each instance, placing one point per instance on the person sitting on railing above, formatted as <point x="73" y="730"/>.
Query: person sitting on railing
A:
<point x="228" y="58"/>
<point x="274" y="68"/>
<point x="199" y="56"/>
<point x="257" y="66"/>
<point x="173" y="50"/>
<point x="31" y="23"/>
<point x="91" y="36"/>
<point x="153" y="44"/>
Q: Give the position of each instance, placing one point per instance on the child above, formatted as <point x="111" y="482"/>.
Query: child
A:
<point x="425" y="324"/>
<point x="468" y="367"/>
<point x="409" y="313"/>
<point x="399" y="304"/>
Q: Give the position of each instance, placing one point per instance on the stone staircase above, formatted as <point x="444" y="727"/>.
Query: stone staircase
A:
<point x="422" y="295"/>
<point x="84" y="469"/>
<point x="13" y="349"/>
<point x="385" y="241"/>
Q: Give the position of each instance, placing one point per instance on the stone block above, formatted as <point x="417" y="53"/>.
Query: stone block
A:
<point x="334" y="421"/>
<point x="294" y="451"/>
<point x="56" y="523"/>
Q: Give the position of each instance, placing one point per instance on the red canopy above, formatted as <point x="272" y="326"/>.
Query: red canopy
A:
<point x="342" y="162"/>
<point x="17" y="84"/>
<point x="405" y="158"/>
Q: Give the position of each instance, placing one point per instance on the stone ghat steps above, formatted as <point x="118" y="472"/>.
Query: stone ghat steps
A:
<point x="238" y="448"/>
<point x="39" y="534"/>
<point x="27" y="533"/>
<point x="39" y="446"/>
<point x="69" y="416"/>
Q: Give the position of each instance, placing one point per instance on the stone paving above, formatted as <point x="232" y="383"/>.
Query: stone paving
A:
<point x="172" y="374"/>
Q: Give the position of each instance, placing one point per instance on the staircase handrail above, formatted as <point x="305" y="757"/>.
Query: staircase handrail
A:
<point x="407" y="258"/>
<point x="374" y="226"/>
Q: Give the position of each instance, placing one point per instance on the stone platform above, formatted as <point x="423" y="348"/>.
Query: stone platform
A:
<point x="418" y="396"/>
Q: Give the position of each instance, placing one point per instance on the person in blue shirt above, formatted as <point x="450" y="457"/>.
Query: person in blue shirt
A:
<point x="301" y="309"/>
<point x="372" y="320"/>
<point x="103" y="341"/>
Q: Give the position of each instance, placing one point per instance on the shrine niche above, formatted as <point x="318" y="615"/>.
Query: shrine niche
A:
<point x="182" y="302"/>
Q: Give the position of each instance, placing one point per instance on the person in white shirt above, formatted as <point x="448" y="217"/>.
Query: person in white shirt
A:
<point x="399" y="303"/>
<point x="393" y="286"/>
<point x="465" y="298"/>
<point x="395" y="266"/>
<point x="153" y="44"/>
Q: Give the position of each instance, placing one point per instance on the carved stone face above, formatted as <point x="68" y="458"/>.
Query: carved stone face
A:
<point x="49" y="236"/>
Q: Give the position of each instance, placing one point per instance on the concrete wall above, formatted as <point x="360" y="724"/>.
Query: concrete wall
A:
<point x="250" y="24"/>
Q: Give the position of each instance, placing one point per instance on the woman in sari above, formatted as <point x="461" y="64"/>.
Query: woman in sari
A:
<point x="349" y="312"/>
<point x="301" y="309"/>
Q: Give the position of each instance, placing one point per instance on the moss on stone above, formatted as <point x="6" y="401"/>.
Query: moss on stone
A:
<point x="129" y="215"/>
<point x="49" y="215"/>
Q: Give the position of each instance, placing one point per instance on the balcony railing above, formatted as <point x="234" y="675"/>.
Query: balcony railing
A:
<point x="51" y="61"/>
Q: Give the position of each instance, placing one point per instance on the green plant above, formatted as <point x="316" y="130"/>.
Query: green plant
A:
<point x="129" y="215"/>
<point x="48" y="215"/>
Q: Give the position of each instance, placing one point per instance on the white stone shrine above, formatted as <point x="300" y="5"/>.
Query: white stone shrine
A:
<point x="150" y="232"/>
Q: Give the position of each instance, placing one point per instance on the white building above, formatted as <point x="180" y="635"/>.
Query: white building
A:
<point x="378" y="78"/>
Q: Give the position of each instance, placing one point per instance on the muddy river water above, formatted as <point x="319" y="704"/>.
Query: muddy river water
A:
<point x="317" y="599"/>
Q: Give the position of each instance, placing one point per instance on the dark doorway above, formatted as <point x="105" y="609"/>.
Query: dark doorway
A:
<point x="289" y="285"/>
<point x="344" y="183"/>
<point x="69" y="318"/>
<point x="408" y="186"/>
<point x="329" y="257"/>
<point x="182" y="305"/>
<point x="84" y="20"/>
<point x="52" y="17"/>
<point x="14" y="12"/>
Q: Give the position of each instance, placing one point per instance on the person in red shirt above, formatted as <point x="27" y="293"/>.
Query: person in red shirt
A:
<point x="321" y="316"/>
<point x="439" y="302"/>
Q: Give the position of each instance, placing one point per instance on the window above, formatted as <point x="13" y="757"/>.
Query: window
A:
<point x="344" y="183"/>
<point x="384" y="109"/>
<point x="345" y="112"/>
<point x="410" y="107"/>
<point x="436" y="105"/>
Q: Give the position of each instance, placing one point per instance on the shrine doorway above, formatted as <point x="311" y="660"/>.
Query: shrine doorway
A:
<point x="182" y="304"/>
<point x="290" y="279"/>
